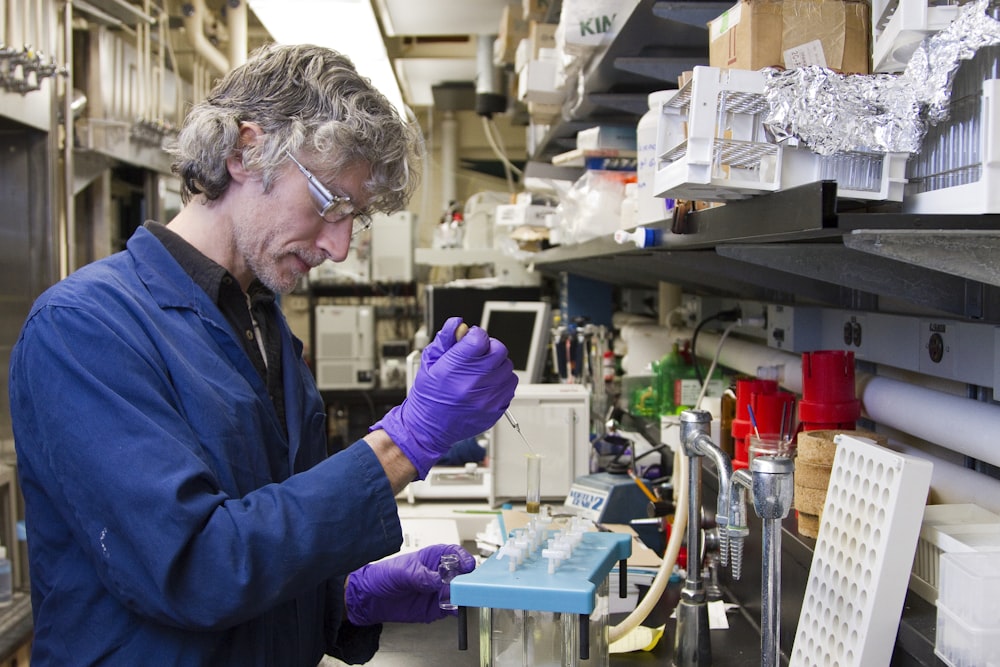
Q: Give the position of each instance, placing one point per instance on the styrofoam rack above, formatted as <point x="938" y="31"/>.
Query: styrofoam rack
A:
<point x="899" y="26"/>
<point x="975" y="197"/>
<point x="864" y="550"/>
<point x="710" y="142"/>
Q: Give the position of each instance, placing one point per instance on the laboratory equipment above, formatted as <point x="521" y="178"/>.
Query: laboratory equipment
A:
<point x="555" y="419"/>
<point x="345" y="347"/>
<point x="607" y="498"/>
<point x="523" y="326"/>
<point x="543" y="596"/>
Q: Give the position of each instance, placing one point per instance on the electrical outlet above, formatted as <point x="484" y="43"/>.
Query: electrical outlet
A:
<point x="937" y="356"/>
<point x="795" y="329"/>
<point x="854" y="332"/>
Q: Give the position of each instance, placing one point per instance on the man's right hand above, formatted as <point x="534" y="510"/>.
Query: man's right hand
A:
<point x="460" y="390"/>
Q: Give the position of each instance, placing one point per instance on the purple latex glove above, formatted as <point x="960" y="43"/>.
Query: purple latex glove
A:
<point x="460" y="390"/>
<point x="403" y="589"/>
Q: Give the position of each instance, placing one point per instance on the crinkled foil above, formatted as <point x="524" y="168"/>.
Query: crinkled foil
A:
<point x="835" y="113"/>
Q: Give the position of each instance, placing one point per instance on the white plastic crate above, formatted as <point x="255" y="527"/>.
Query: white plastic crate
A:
<point x="711" y="146"/>
<point x="898" y="26"/>
<point x="869" y="176"/>
<point x="960" y="644"/>
<point x="978" y="188"/>
<point x="711" y="143"/>
<point x="956" y="527"/>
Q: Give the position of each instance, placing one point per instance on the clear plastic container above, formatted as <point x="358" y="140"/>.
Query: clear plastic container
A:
<point x="970" y="587"/>
<point x="529" y="638"/>
<point x="960" y="644"/>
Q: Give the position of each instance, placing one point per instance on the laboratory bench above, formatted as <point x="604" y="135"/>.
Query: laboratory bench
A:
<point x="418" y="645"/>
<point x="436" y="644"/>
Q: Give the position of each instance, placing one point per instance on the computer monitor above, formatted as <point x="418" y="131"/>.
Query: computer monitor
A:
<point x="525" y="328"/>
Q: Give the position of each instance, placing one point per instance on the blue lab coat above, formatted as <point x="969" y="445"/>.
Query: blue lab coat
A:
<point x="170" y="518"/>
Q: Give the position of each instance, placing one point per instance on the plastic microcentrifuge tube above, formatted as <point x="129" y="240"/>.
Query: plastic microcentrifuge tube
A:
<point x="533" y="498"/>
<point x="448" y="569"/>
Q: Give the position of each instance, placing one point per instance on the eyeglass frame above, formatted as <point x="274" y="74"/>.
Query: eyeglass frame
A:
<point x="335" y="205"/>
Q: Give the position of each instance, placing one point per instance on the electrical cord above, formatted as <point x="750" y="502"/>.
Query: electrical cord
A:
<point x="715" y="361"/>
<point x="723" y="316"/>
<point x="497" y="147"/>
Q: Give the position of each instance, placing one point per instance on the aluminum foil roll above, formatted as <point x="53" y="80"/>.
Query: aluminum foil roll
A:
<point x="835" y="113"/>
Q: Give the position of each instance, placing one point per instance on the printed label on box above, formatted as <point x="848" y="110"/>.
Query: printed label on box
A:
<point x="804" y="55"/>
<point x="726" y="21"/>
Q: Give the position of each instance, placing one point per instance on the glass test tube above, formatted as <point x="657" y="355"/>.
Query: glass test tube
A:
<point x="533" y="497"/>
<point x="448" y="569"/>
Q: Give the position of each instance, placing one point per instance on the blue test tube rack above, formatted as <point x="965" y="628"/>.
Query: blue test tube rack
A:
<point x="544" y="570"/>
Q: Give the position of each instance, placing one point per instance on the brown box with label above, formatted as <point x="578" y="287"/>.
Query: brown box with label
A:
<point x="755" y="34"/>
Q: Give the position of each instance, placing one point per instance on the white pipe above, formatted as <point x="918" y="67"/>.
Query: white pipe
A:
<point x="449" y="157"/>
<point x="747" y="357"/>
<point x="14" y="25"/>
<point x="138" y="109"/>
<point x="953" y="422"/>
<point x="959" y="424"/>
<point x="69" y="200"/>
<point x="196" y="36"/>
<point x="161" y="64"/>
<point x="236" y="21"/>
<point x="952" y="483"/>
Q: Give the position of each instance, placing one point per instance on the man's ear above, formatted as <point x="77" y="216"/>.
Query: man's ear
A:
<point x="250" y="135"/>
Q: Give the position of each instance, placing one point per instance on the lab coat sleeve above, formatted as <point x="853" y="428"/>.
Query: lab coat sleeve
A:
<point x="98" y="426"/>
<point x="348" y="643"/>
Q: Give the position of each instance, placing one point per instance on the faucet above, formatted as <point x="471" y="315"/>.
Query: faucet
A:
<point x="692" y="645"/>
<point x="770" y="480"/>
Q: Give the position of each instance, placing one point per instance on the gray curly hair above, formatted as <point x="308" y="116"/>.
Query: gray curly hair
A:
<point x="305" y="98"/>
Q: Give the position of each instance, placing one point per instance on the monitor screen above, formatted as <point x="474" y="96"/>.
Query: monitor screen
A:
<point x="524" y="327"/>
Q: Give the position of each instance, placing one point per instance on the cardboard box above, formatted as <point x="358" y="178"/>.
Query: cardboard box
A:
<point x="541" y="36"/>
<point x="535" y="10"/>
<point x="755" y="34"/>
<point x="512" y="30"/>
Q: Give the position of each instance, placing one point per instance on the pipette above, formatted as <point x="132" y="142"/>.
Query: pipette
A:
<point x="463" y="329"/>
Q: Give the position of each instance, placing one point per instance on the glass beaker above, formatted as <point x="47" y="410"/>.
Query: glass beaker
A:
<point x="533" y="497"/>
<point x="770" y="444"/>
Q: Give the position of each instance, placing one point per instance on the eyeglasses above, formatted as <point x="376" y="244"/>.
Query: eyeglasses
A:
<point x="331" y="207"/>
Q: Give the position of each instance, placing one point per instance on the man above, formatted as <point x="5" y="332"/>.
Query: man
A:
<point x="171" y="442"/>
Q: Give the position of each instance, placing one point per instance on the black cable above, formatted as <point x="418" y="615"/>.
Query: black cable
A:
<point x="722" y="316"/>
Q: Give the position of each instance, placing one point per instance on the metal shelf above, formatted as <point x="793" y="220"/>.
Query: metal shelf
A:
<point x="796" y="245"/>
<point x="658" y="42"/>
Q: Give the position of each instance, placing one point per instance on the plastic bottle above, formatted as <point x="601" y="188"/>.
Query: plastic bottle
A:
<point x="642" y="237"/>
<point x="650" y="207"/>
<point x="6" y="579"/>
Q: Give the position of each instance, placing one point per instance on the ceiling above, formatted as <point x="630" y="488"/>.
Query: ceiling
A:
<point x="433" y="42"/>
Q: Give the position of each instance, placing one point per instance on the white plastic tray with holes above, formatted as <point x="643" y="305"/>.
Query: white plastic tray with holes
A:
<point x="864" y="550"/>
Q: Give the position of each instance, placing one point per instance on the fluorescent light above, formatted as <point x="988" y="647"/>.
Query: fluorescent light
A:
<point x="348" y="26"/>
